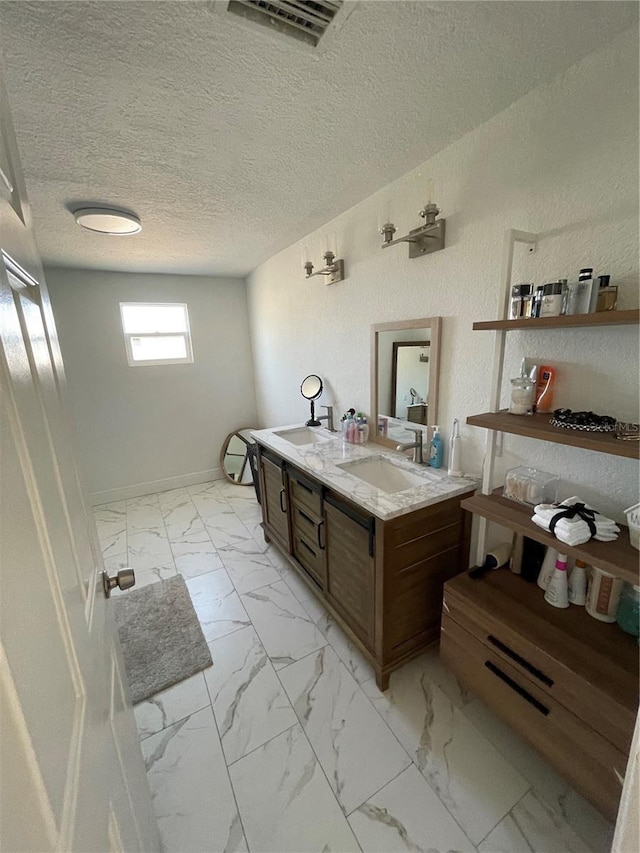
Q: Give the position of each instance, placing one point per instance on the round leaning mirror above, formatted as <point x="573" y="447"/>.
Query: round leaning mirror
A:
<point x="311" y="387"/>
<point x="234" y="458"/>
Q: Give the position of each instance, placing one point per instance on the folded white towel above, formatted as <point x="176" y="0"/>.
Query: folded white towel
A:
<point x="574" y="531"/>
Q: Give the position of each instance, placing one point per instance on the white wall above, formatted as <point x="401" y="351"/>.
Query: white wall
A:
<point x="563" y="162"/>
<point x="135" y="426"/>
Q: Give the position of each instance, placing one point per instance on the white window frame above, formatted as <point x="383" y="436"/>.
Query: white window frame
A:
<point x="188" y="359"/>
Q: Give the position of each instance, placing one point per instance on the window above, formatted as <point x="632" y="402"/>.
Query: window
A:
<point x="156" y="333"/>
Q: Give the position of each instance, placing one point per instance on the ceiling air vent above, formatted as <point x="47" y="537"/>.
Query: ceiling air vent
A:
<point x="304" y="20"/>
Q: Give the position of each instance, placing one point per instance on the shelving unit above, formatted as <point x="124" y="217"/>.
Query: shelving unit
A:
<point x="603" y="318"/>
<point x="488" y="506"/>
<point x="618" y="557"/>
<point x="538" y="426"/>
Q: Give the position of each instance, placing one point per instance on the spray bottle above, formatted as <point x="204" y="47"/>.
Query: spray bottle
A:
<point x="455" y="451"/>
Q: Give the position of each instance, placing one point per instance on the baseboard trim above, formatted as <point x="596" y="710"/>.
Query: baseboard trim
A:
<point x="165" y="485"/>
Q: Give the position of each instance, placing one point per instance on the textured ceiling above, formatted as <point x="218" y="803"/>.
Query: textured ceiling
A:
<point x="230" y="143"/>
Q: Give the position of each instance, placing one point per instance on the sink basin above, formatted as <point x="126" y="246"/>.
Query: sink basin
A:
<point x="384" y="475"/>
<point x="301" y="436"/>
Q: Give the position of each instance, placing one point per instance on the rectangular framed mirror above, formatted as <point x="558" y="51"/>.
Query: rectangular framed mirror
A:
<point x="405" y="364"/>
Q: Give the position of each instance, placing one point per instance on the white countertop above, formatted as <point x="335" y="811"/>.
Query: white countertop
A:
<point x="321" y="461"/>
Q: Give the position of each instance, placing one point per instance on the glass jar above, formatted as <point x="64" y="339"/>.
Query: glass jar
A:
<point x="629" y="610"/>
<point x="522" y="396"/>
<point x="552" y="299"/>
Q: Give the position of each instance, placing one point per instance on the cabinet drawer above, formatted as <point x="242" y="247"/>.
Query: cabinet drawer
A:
<point x="306" y="493"/>
<point x="310" y="557"/>
<point x="306" y="524"/>
<point x="593" y="765"/>
<point x="597" y="708"/>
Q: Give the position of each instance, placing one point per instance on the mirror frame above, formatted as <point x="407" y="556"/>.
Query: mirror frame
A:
<point x="223" y="453"/>
<point x="435" y="325"/>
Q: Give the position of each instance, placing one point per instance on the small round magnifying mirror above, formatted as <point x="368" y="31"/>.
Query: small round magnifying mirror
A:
<point x="311" y="389"/>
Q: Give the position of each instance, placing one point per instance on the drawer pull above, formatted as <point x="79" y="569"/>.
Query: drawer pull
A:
<point x="319" y="537"/>
<point x="516" y="688"/>
<point x="283" y="501"/>
<point x="520" y="660"/>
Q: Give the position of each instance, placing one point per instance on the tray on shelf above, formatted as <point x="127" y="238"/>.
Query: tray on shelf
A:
<point x="618" y="557"/>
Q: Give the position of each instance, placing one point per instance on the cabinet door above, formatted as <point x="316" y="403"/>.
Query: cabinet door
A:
<point x="275" y="501"/>
<point x="349" y="543"/>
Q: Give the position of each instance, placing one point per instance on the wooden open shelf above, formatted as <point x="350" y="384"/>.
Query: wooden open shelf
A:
<point x="601" y="318"/>
<point x="618" y="557"/>
<point x="538" y="426"/>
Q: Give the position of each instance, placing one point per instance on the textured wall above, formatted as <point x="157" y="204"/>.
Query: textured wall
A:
<point x="563" y="162"/>
<point x="139" y="425"/>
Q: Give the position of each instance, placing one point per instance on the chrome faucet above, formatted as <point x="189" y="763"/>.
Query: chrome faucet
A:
<point x="328" y="418"/>
<point x="416" y="445"/>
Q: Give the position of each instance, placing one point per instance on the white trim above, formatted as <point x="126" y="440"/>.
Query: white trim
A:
<point x="165" y="485"/>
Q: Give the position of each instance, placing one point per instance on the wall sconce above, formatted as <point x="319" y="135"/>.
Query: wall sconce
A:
<point x="333" y="268"/>
<point x="425" y="240"/>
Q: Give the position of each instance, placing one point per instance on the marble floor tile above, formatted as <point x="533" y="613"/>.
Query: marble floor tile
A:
<point x="143" y="517"/>
<point x="172" y="498"/>
<point x="171" y="705"/>
<point x="357" y="751"/>
<point x="152" y="499"/>
<point x="285" y="629"/>
<point x="217" y="604"/>
<point x="191" y="794"/>
<point x="248" y="571"/>
<point x="407" y="815"/>
<point x="182" y="520"/>
<point x="148" y="548"/>
<point x="296" y="584"/>
<point x="201" y="488"/>
<point x="348" y="652"/>
<point x="193" y="562"/>
<point x="296" y="811"/>
<point x="111" y="519"/>
<point x="248" y="701"/>
<point x="210" y="505"/>
<point x="472" y="779"/>
<point x="226" y="531"/>
<point x="532" y="827"/>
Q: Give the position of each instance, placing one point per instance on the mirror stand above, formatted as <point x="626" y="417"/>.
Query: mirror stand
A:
<point x="313" y="421"/>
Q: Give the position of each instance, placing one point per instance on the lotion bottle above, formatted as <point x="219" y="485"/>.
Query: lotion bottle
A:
<point x="557" y="593"/>
<point x="437" y="449"/>
<point x="578" y="584"/>
<point x="548" y="568"/>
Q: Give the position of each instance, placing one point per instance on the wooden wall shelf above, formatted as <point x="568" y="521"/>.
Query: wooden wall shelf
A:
<point x="618" y="557"/>
<point x="602" y="318"/>
<point x="538" y="426"/>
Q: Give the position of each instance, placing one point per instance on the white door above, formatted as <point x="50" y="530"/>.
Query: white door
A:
<point x="71" y="771"/>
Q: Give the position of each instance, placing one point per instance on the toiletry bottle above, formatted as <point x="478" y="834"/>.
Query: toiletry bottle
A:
<point x="436" y="452"/>
<point x="365" y="425"/>
<point x="594" y="288"/>
<point x="551" y="300"/>
<point x="579" y="298"/>
<point x="544" y="389"/>
<point x="607" y="294"/>
<point x="537" y="301"/>
<point x="360" y="423"/>
<point x="548" y="568"/>
<point x="603" y="595"/>
<point x="557" y="593"/>
<point x="578" y="584"/>
<point x="455" y="450"/>
<point x="349" y="429"/>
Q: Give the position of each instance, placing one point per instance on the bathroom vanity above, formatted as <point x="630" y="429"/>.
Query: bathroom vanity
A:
<point x="373" y="535"/>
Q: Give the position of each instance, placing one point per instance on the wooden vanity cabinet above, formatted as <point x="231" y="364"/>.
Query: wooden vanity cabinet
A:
<point x="350" y="553"/>
<point x="382" y="580"/>
<point x="274" y="495"/>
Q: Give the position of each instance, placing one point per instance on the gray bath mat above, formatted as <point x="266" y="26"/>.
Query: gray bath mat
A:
<point x="161" y="638"/>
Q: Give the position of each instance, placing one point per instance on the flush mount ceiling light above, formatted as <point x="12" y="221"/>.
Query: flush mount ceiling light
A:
<point x="107" y="221"/>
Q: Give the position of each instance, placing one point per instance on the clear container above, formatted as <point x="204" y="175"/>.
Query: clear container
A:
<point x="628" y="617"/>
<point x="530" y="486"/>
<point x="578" y="297"/>
<point x="521" y="302"/>
<point x="523" y="392"/>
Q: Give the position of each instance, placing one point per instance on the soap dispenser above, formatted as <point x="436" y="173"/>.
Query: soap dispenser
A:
<point x="437" y="449"/>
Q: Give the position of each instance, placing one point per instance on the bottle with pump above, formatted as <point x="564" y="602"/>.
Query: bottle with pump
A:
<point x="454" y="451"/>
<point x="557" y="593"/>
<point x="437" y="449"/>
